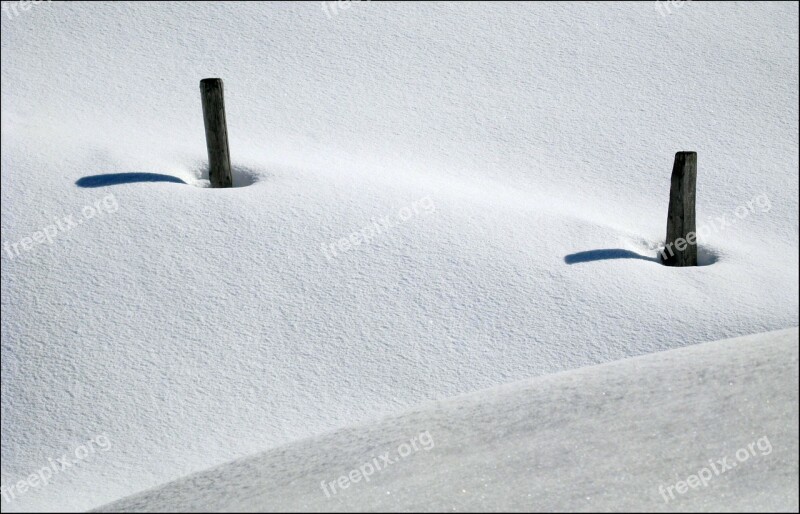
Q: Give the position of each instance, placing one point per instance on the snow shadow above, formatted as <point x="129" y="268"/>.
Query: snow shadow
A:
<point x="113" y="179"/>
<point x="605" y="254"/>
<point x="705" y="256"/>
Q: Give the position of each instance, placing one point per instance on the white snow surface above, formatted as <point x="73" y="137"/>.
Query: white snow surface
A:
<point x="601" y="438"/>
<point x="194" y="326"/>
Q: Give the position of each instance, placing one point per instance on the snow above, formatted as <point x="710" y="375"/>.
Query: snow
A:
<point x="596" y="439"/>
<point x="498" y="144"/>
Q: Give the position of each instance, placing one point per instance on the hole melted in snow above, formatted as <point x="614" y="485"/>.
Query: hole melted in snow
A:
<point x="243" y="176"/>
<point x="706" y="256"/>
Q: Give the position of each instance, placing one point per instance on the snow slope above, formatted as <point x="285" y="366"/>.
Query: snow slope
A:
<point x="523" y="146"/>
<point x="600" y="438"/>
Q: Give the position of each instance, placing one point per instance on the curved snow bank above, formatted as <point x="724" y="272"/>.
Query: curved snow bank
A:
<point x="709" y="427"/>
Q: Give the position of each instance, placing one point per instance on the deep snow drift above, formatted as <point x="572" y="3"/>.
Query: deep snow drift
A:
<point x="613" y="437"/>
<point x="499" y="173"/>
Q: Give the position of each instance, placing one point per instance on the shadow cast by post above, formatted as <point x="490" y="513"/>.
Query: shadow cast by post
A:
<point x="604" y="255"/>
<point x="113" y="179"/>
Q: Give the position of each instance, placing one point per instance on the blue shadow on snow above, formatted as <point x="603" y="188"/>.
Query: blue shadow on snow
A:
<point x="605" y="254"/>
<point x="113" y="179"/>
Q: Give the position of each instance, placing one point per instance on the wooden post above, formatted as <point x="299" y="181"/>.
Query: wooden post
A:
<point x="681" y="243"/>
<point x="219" y="158"/>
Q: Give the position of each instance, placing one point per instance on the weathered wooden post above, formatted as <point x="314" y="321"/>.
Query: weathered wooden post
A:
<point x="681" y="243"/>
<point x="219" y="158"/>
